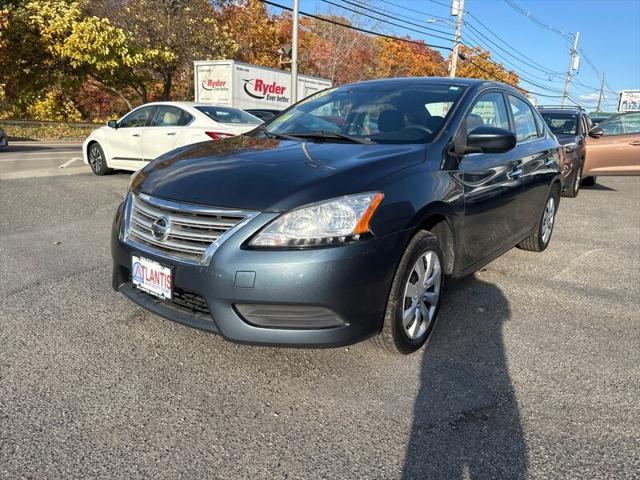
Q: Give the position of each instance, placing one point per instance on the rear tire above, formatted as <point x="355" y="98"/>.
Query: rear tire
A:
<point x="589" y="181"/>
<point x="539" y="239"/>
<point x="97" y="160"/>
<point x="414" y="299"/>
<point x="573" y="189"/>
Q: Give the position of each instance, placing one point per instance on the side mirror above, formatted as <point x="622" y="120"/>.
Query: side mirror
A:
<point x="112" y="124"/>
<point x="596" y="132"/>
<point x="487" y="139"/>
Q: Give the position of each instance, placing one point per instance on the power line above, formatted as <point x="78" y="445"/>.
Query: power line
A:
<point x="385" y="21"/>
<point x="345" y="25"/>
<point x="538" y="22"/>
<point x="406" y="40"/>
<point x="359" y="5"/>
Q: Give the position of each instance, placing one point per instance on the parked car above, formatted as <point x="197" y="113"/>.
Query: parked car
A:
<point x="570" y="125"/>
<point x="304" y="233"/>
<point x="613" y="147"/>
<point x="263" y="113"/>
<point x="3" y="139"/>
<point x="153" y="129"/>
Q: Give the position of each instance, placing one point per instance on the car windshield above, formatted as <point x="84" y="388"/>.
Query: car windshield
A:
<point x="229" y="115"/>
<point x="409" y="113"/>
<point x="561" y="123"/>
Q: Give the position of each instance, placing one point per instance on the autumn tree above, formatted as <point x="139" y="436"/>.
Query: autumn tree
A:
<point x="171" y="33"/>
<point x="476" y="63"/>
<point x="255" y="31"/>
<point x="397" y="58"/>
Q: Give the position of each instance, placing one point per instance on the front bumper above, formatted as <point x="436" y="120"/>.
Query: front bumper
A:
<point x="569" y="167"/>
<point x="351" y="280"/>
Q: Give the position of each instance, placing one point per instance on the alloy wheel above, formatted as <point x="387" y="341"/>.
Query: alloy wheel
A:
<point x="421" y="295"/>
<point x="95" y="158"/>
<point x="547" y="219"/>
<point x="576" y="183"/>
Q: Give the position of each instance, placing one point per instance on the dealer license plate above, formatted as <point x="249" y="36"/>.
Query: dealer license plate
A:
<point x="151" y="277"/>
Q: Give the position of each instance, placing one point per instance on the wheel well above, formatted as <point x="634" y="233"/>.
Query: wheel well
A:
<point x="439" y="226"/>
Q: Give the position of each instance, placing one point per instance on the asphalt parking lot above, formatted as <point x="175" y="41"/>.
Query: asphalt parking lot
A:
<point x="532" y="372"/>
<point x="30" y="160"/>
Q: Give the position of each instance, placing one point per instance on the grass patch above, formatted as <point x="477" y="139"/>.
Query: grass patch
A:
<point x="46" y="131"/>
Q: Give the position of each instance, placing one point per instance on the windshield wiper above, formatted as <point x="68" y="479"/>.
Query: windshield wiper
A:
<point x="269" y="134"/>
<point x="332" y="135"/>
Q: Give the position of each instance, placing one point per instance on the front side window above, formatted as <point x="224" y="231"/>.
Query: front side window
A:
<point x="137" y="118"/>
<point x="613" y="126"/>
<point x="411" y="113"/>
<point x="489" y="110"/>
<point x="525" y="122"/>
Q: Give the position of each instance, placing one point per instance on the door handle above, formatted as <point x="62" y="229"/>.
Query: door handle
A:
<point x="135" y="134"/>
<point x="636" y="143"/>
<point x="515" y="173"/>
<point x="171" y="133"/>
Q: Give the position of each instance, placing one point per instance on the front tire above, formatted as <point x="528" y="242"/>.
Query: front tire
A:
<point x="574" y="188"/>
<point x="589" y="181"/>
<point x="539" y="239"/>
<point x="414" y="299"/>
<point x="97" y="160"/>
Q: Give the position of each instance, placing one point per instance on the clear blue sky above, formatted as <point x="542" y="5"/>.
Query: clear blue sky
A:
<point x="609" y="36"/>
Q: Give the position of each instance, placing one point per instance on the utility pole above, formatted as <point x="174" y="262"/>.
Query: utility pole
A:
<point x="601" y="93"/>
<point x="294" y="53"/>
<point x="457" y="10"/>
<point x="574" y="63"/>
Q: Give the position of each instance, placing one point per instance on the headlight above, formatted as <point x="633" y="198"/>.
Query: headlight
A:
<point x="570" y="147"/>
<point x="335" y="221"/>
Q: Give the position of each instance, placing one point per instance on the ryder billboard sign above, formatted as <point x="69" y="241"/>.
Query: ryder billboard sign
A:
<point x="240" y="85"/>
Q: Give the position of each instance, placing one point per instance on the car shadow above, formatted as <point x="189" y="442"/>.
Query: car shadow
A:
<point x="598" y="186"/>
<point x="466" y="418"/>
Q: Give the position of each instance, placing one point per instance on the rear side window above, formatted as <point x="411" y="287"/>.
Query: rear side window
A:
<point x="229" y="115"/>
<point x="489" y="110"/>
<point x="168" y="116"/>
<point x="540" y="125"/>
<point x="524" y="120"/>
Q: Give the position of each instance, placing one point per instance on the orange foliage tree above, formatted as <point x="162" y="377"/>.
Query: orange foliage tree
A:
<point x="396" y="58"/>
<point x="476" y="63"/>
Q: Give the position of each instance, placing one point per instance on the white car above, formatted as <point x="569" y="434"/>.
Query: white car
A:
<point x="152" y="129"/>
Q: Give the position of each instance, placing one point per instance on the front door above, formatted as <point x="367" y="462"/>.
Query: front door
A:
<point x="617" y="151"/>
<point x="492" y="187"/>
<point x="125" y="144"/>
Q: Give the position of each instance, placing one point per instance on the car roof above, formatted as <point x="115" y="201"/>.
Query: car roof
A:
<point x="187" y="104"/>
<point x="464" y="82"/>
<point x="561" y="109"/>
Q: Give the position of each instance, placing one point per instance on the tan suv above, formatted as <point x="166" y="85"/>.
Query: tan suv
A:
<point x="613" y="148"/>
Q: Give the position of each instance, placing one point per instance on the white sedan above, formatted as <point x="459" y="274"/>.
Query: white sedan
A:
<point x="152" y="129"/>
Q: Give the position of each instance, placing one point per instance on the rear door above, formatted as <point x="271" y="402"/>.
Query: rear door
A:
<point x="617" y="151"/>
<point x="492" y="186"/>
<point x="538" y="159"/>
<point x="165" y="129"/>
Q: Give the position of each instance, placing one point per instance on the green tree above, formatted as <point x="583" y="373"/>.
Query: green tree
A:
<point x="170" y="33"/>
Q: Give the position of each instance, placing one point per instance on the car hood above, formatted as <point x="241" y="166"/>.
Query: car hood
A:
<point x="565" y="139"/>
<point x="269" y="174"/>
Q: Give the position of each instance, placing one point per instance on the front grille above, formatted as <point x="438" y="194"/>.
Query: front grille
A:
<point x="191" y="228"/>
<point x="190" y="300"/>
